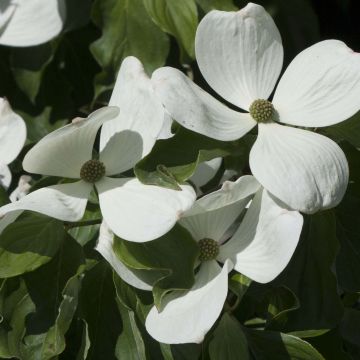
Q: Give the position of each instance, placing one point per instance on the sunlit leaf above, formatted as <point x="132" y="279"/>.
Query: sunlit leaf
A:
<point x="178" y="18"/>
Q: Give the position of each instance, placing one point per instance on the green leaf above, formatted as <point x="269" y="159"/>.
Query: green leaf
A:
<point x="310" y="271"/>
<point x="39" y="125"/>
<point x="10" y="298"/>
<point x="308" y="333"/>
<point x="129" y="298"/>
<point x="175" y="160"/>
<point x="130" y="345"/>
<point x="99" y="309"/>
<point x="269" y="345"/>
<point x="18" y="321"/>
<point x="347" y="130"/>
<point x="186" y="351"/>
<point x="225" y="5"/>
<point x="54" y="342"/>
<point x="85" y="343"/>
<point x="4" y="198"/>
<point x="281" y="301"/>
<point x="168" y="261"/>
<point x="229" y="341"/>
<point x="178" y="18"/>
<point x="126" y="30"/>
<point x="348" y="226"/>
<point x="28" y="243"/>
<point x="54" y="289"/>
<point x="350" y="326"/>
<point x="28" y="66"/>
<point x="330" y="345"/>
<point x="239" y="284"/>
<point x="84" y="234"/>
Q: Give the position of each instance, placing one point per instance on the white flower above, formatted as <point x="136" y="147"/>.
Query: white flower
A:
<point x="22" y="189"/>
<point x="12" y="139"/>
<point x="260" y="248"/>
<point x="30" y="22"/>
<point x="133" y="211"/>
<point x="240" y="55"/>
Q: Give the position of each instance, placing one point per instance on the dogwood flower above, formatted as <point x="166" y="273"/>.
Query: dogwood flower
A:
<point x="260" y="248"/>
<point x="30" y="22"/>
<point x="133" y="211"/>
<point x="22" y="188"/>
<point x="240" y="55"/>
<point x="12" y="139"/>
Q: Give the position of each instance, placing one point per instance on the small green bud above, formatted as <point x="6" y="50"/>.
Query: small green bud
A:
<point x="209" y="249"/>
<point x="262" y="110"/>
<point x="92" y="171"/>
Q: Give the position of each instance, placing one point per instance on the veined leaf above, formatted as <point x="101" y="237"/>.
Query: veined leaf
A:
<point x="178" y="18"/>
<point x="126" y="30"/>
<point x="28" y="243"/>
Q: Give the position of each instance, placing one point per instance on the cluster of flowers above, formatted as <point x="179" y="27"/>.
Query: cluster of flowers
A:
<point x="295" y="170"/>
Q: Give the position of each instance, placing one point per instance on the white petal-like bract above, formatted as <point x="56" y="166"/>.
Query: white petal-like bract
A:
<point x="266" y="239"/>
<point x="31" y="22"/>
<point x="22" y="189"/>
<point x="138" y="212"/>
<point x="188" y="316"/>
<point x="240" y="54"/>
<point x="205" y="171"/>
<point x="65" y="150"/>
<point x="321" y="86"/>
<point x="66" y="202"/>
<point x="196" y="110"/>
<point x="132" y="134"/>
<point x="5" y="176"/>
<point x="307" y="171"/>
<point x="212" y="215"/>
<point x="230" y="193"/>
<point x="12" y="133"/>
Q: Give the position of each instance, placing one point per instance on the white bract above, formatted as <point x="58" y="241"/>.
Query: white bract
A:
<point x="259" y="248"/>
<point x="22" y="189"/>
<point x="12" y="140"/>
<point x="30" y="22"/>
<point x="133" y="211"/>
<point x="240" y="55"/>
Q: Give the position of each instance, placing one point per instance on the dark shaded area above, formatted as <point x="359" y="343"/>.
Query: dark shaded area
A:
<point x="339" y="19"/>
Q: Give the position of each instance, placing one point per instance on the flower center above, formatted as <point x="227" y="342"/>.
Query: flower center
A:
<point x="92" y="171"/>
<point x="209" y="249"/>
<point x="262" y="110"/>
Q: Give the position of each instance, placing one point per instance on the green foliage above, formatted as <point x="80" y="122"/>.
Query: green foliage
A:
<point x="347" y="130"/>
<point x="126" y="30"/>
<point x="167" y="263"/>
<point x="225" y="5"/>
<point x="314" y="259"/>
<point x="99" y="310"/>
<point x="25" y="245"/>
<point x="28" y="66"/>
<point x="229" y="341"/>
<point x="178" y="19"/>
<point x="268" y="345"/>
<point x="175" y="160"/>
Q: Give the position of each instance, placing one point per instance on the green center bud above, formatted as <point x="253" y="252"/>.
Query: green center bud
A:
<point x="262" y="110"/>
<point x="209" y="249"/>
<point x="92" y="171"/>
